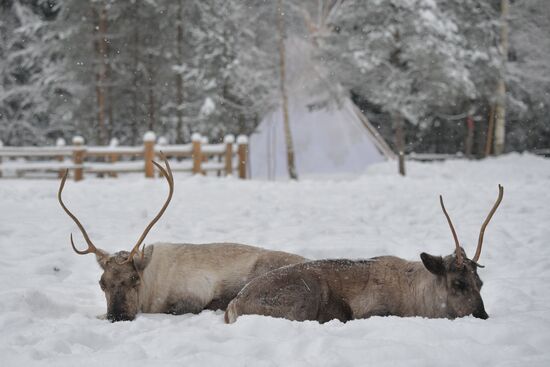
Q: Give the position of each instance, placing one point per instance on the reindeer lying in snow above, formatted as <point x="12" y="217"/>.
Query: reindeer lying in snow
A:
<point x="323" y="290"/>
<point x="175" y="278"/>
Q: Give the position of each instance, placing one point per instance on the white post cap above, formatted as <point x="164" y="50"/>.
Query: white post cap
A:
<point x="196" y="137"/>
<point x="149" y="136"/>
<point x="229" y="139"/>
<point x="114" y="142"/>
<point x="242" y="139"/>
<point x="78" y="140"/>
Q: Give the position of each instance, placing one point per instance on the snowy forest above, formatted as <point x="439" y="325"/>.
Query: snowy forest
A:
<point x="104" y="68"/>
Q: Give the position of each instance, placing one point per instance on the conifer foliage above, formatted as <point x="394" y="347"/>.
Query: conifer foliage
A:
<point x="106" y="68"/>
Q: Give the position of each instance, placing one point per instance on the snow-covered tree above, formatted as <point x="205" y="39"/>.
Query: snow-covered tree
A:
<point x="88" y="52"/>
<point x="528" y="71"/>
<point x="34" y="87"/>
<point x="107" y="68"/>
<point x="413" y="59"/>
<point x="224" y="76"/>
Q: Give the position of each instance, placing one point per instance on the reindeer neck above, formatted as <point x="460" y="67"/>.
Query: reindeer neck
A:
<point x="146" y="290"/>
<point x="425" y="295"/>
<point x="393" y="286"/>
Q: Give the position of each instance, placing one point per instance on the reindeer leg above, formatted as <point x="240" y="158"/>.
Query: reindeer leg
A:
<point x="334" y="308"/>
<point x="293" y="298"/>
<point x="183" y="306"/>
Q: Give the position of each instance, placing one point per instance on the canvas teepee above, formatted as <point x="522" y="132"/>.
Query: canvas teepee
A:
<point x="331" y="135"/>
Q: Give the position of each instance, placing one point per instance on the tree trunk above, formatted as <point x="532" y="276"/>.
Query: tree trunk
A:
<point x="490" y="131"/>
<point x="101" y="47"/>
<point x="151" y="104"/>
<point x="480" y="138"/>
<point x="109" y="106"/>
<point x="399" y="136"/>
<point x="179" y="77"/>
<point x="136" y="87"/>
<point x="284" y="98"/>
<point x="469" y="137"/>
<point x="500" y="107"/>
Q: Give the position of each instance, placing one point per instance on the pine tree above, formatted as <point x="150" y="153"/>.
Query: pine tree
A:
<point x="34" y="88"/>
<point x="413" y="59"/>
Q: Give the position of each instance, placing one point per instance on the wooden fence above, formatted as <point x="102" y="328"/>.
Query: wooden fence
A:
<point x="197" y="157"/>
<point x="430" y="157"/>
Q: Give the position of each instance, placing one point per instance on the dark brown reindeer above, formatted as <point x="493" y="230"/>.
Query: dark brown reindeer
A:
<point x="436" y="287"/>
<point x="175" y="278"/>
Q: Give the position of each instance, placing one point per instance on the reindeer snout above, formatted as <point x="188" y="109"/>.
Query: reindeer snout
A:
<point x="481" y="314"/>
<point x="120" y="317"/>
<point x="480" y="311"/>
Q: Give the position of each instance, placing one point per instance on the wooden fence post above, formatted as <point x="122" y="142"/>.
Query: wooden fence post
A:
<point x="229" y="140"/>
<point x="469" y="136"/>
<point x="113" y="157"/>
<point x="60" y="143"/>
<point x="242" y="151"/>
<point x="204" y="141"/>
<point x="204" y="157"/>
<point x="149" y="153"/>
<point x="78" y="157"/>
<point x="197" y="155"/>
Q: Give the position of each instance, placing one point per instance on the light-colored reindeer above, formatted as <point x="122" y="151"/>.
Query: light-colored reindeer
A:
<point x="175" y="278"/>
<point x="436" y="287"/>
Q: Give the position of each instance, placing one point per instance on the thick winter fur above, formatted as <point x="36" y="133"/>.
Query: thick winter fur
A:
<point x="182" y="278"/>
<point x="345" y="290"/>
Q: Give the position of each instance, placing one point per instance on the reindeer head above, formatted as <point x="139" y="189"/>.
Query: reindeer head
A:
<point x="457" y="275"/>
<point x="122" y="271"/>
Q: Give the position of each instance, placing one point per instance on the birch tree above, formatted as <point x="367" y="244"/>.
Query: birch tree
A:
<point x="284" y="98"/>
<point x="500" y="104"/>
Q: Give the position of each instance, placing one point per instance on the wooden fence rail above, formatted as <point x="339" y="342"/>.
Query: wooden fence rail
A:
<point x="198" y="157"/>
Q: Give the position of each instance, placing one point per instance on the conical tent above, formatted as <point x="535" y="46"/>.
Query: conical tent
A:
<point x="330" y="134"/>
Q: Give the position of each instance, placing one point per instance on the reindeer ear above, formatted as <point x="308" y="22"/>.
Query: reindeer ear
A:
<point x="434" y="264"/>
<point x="141" y="262"/>
<point x="102" y="257"/>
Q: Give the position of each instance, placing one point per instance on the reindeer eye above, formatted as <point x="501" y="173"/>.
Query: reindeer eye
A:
<point x="460" y="285"/>
<point x="134" y="279"/>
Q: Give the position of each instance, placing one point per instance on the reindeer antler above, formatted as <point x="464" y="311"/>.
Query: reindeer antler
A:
<point x="457" y="244"/>
<point x="91" y="248"/>
<point x="487" y="220"/>
<point x="170" y="178"/>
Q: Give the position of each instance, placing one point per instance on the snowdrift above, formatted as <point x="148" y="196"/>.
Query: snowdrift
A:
<point x="49" y="296"/>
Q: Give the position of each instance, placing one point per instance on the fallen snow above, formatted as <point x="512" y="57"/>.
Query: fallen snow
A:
<point x="49" y="296"/>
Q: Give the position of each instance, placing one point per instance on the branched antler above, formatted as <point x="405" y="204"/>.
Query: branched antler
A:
<point x="91" y="248"/>
<point x="167" y="173"/>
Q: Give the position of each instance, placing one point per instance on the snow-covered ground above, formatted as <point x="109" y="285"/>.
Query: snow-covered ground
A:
<point x="49" y="296"/>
